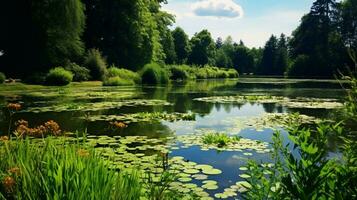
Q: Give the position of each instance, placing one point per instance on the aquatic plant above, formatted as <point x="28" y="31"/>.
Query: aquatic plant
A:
<point x="219" y="139"/>
<point x="50" y="128"/>
<point x="59" y="77"/>
<point x="12" y="109"/>
<point x="154" y="74"/>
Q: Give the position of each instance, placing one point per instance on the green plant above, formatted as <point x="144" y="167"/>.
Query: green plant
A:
<point x="117" y="81"/>
<point x="123" y="73"/>
<point x="219" y="139"/>
<point x="97" y="65"/>
<point x="80" y="73"/>
<point x="179" y="73"/>
<point x="2" y="77"/>
<point x="154" y="74"/>
<point x="53" y="169"/>
<point x="59" y="76"/>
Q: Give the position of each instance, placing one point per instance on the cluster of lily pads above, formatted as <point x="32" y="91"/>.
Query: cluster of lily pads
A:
<point x="96" y="106"/>
<point x="301" y="102"/>
<point x="144" y="117"/>
<point x="243" y="144"/>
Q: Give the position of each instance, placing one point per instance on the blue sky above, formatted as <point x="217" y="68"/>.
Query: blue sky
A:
<point x="252" y="21"/>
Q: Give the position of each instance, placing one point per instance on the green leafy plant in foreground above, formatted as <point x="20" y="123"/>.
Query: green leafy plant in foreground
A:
<point x="53" y="169"/>
<point x="307" y="174"/>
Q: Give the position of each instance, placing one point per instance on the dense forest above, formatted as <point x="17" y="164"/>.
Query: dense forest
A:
<point x="76" y="34"/>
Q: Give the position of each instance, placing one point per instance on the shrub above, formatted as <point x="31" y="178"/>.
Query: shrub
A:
<point x="123" y="74"/>
<point x="232" y="73"/>
<point x="179" y="73"/>
<point x="154" y="74"/>
<point x="80" y="73"/>
<point x="2" y="77"/>
<point x="117" y="81"/>
<point x="59" y="76"/>
<point x="96" y="64"/>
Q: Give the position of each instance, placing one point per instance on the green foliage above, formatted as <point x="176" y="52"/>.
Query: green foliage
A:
<point x="123" y="74"/>
<point x="52" y="169"/>
<point x="310" y="174"/>
<point x="117" y="81"/>
<point x="243" y="60"/>
<point x="219" y="139"/>
<point x="154" y="74"/>
<point x="179" y="72"/>
<point x="2" y="77"/>
<point x="131" y="36"/>
<point x="45" y="33"/>
<point x="182" y="45"/>
<point x="59" y="76"/>
<point x="299" y="66"/>
<point x="80" y="73"/>
<point x="203" y="49"/>
<point x="96" y="64"/>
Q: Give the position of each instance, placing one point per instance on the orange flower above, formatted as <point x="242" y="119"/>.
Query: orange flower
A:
<point x="83" y="153"/>
<point x="14" y="170"/>
<point x="14" y="106"/>
<point x="4" y="138"/>
<point x="49" y="128"/>
<point x="9" y="184"/>
<point x="120" y="125"/>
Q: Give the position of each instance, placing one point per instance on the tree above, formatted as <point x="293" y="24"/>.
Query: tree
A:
<point x="125" y="31"/>
<point x="40" y="35"/>
<point x="243" y="60"/>
<point x="282" y="61"/>
<point x="203" y="49"/>
<point x="219" y="43"/>
<point x="166" y="41"/>
<point x="182" y="46"/>
<point x="348" y="24"/>
<point x="317" y="39"/>
<point x="269" y="59"/>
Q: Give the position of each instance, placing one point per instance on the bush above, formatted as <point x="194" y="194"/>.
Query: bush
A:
<point x="154" y="74"/>
<point x="232" y="73"/>
<point x="59" y="76"/>
<point x="36" y="78"/>
<point x="80" y="73"/>
<point x="96" y="64"/>
<point x="123" y="74"/>
<point x="117" y="81"/>
<point x="179" y="73"/>
<point x="2" y="77"/>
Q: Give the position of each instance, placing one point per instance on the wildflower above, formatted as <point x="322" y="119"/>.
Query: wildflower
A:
<point x="119" y="125"/>
<point x="14" y="106"/>
<point x="15" y="170"/>
<point x="4" y="138"/>
<point x="83" y="153"/>
<point x="9" y="184"/>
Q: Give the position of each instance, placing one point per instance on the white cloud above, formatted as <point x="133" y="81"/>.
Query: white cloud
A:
<point x="217" y="8"/>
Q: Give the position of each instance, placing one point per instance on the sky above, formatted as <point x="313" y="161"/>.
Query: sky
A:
<point x="252" y="21"/>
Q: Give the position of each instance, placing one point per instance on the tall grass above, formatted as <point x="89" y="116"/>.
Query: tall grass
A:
<point x="53" y="169"/>
<point x="154" y="74"/>
<point x="123" y="74"/>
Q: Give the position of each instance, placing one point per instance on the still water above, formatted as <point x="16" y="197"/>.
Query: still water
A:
<point x="71" y="107"/>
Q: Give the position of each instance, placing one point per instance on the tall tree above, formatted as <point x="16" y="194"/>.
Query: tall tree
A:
<point x="317" y="41"/>
<point x="282" y="61"/>
<point x="125" y="31"/>
<point x="203" y="49"/>
<point x="243" y="60"/>
<point x="40" y="35"/>
<point x="182" y="45"/>
<point x="269" y="59"/>
<point x="348" y="23"/>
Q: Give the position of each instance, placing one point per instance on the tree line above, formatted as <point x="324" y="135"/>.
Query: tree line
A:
<point x="129" y="34"/>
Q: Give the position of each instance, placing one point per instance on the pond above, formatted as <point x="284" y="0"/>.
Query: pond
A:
<point x="173" y="119"/>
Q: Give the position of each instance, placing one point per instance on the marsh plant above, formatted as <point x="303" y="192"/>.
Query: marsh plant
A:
<point x="56" y="169"/>
<point x="219" y="139"/>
